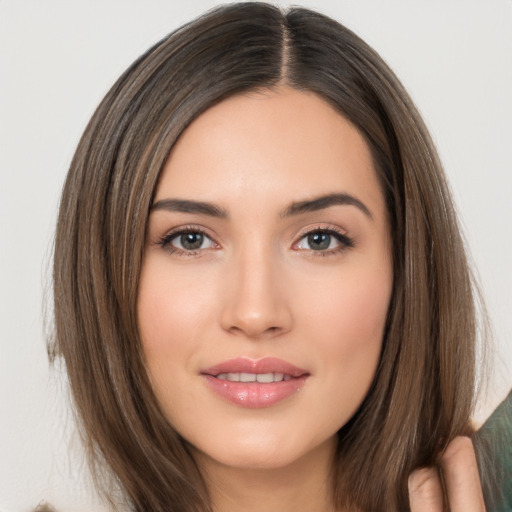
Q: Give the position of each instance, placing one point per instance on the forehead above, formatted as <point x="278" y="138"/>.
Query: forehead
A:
<point x="269" y="144"/>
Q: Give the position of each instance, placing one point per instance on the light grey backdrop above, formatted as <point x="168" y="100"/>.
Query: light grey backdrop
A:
<point x="57" y="60"/>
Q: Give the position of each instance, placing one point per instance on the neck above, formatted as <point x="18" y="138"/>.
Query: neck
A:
<point x="301" y="486"/>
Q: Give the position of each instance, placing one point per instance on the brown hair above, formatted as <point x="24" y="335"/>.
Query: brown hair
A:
<point x="423" y="392"/>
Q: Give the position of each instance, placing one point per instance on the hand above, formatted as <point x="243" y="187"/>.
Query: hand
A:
<point x="461" y="479"/>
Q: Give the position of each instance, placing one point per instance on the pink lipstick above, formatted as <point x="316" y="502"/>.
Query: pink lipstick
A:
<point x="255" y="384"/>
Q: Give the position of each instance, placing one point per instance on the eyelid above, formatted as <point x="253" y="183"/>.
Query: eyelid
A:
<point x="165" y="240"/>
<point x="345" y="241"/>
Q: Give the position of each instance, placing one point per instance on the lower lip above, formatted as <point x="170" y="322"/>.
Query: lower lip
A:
<point x="255" y="394"/>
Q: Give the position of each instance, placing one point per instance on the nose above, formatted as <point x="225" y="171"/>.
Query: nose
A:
<point x="255" y="304"/>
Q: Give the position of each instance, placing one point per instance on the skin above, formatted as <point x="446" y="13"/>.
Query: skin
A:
<point x="257" y="287"/>
<point x="461" y="479"/>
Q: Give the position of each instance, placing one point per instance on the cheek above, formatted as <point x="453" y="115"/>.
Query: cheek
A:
<point x="351" y="302"/>
<point x="360" y="313"/>
<point x="170" y="312"/>
<point x="347" y="318"/>
<point x="171" y="308"/>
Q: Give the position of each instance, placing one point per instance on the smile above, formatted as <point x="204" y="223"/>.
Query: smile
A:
<point x="255" y="384"/>
<point x="254" y="377"/>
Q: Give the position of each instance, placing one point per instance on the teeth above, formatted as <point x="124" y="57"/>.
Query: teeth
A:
<point x="253" y="377"/>
<point x="265" y="377"/>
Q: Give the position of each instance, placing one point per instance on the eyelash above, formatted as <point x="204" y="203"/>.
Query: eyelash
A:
<point x="165" y="241"/>
<point x="345" y="242"/>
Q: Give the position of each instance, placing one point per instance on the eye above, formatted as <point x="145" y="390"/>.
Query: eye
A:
<point x="324" y="241"/>
<point x="186" y="241"/>
<point x="191" y="241"/>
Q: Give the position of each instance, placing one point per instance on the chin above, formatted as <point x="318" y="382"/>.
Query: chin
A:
<point x="258" y="459"/>
<point x="259" y="452"/>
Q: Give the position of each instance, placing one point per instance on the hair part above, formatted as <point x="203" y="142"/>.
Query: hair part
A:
<point x="423" y="392"/>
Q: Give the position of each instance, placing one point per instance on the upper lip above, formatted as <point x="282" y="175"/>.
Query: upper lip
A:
<point x="260" y="366"/>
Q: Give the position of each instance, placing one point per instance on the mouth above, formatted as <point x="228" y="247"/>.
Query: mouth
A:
<point x="255" y="384"/>
<point x="265" y="378"/>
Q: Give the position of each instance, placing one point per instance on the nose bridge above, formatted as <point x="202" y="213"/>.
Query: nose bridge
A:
<point x="256" y="304"/>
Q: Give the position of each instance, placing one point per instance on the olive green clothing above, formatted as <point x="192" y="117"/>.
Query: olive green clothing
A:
<point x="494" y="447"/>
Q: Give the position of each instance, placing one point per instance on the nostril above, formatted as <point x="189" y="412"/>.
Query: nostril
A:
<point x="255" y="332"/>
<point x="256" y="314"/>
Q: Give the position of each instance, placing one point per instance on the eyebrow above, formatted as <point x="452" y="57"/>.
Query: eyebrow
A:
<point x="189" y="206"/>
<point x="296" y="208"/>
<point x="322" y="202"/>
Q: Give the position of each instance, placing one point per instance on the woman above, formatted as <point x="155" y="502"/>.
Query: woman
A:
<point x="261" y="292"/>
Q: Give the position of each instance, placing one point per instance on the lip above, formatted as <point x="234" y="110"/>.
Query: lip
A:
<point x="255" y="394"/>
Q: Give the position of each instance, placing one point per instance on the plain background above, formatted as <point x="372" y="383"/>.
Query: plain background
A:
<point x="58" y="59"/>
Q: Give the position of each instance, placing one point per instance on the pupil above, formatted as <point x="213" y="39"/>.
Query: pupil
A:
<point x="191" y="241"/>
<point x="319" y="241"/>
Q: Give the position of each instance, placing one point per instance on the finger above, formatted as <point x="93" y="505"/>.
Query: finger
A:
<point x="460" y="473"/>
<point x="425" y="490"/>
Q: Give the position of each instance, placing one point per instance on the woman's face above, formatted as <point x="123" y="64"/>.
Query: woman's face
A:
<point x="266" y="280"/>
